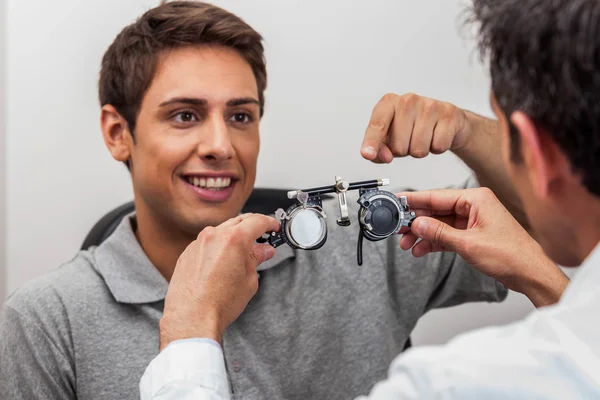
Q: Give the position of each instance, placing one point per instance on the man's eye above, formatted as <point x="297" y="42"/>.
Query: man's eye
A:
<point x="185" y="117"/>
<point x="241" y="118"/>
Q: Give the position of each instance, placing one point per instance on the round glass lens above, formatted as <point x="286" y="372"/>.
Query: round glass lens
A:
<point x="307" y="228"/>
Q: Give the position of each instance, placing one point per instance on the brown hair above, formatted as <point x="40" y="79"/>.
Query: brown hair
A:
<point x="129" y="64"/>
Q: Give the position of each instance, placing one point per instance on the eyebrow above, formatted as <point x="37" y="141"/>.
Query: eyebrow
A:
<point x="203" y="102"/>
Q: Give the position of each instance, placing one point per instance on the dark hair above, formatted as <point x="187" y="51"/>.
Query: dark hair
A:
<point x="544" y="60"/>
<point x="129" y="64"/>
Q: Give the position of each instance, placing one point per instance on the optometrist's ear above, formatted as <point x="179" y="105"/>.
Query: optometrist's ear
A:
<point x="546" y="163"/>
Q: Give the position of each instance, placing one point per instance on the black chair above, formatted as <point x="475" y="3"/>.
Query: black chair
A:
<point x="261" y="201"/>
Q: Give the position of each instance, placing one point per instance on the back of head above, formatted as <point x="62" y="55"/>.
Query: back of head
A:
<point x="129" y="64"/>
<point x="544" y="60"/>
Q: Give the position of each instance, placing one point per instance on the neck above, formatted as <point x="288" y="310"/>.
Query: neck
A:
<point x="585" y="214"/>
<point x="161" y="243"/>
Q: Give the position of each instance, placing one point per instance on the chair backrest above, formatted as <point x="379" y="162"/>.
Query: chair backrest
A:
<point x="261" y="201"/>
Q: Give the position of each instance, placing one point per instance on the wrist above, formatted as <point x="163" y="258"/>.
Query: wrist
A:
<point x="174" y="328"/>
<point x="473" y="133"/>
<point x="544" y="282"/>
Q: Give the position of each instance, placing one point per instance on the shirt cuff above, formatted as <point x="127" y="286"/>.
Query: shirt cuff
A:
<point x="196" y="361"/>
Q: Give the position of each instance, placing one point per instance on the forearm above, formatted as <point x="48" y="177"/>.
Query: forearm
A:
<point x="482" y="153"/>
<point x="177" y="327"/>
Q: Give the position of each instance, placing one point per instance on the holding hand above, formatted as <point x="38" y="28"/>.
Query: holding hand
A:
<point x="215" y="278"/>
<point x="411" y="125"/>
<point x="475" y="225"/>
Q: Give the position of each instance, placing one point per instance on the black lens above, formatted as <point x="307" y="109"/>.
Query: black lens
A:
<point x="384" y="218"/>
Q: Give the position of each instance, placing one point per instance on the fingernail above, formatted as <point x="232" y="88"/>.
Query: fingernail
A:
<point x="269" y="252"/>
<point x="370" y="151"/>
<point x="419" y="227"/>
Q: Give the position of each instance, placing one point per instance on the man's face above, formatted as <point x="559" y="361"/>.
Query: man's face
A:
<point x="197" y="138"/>
<point x="551" y="229"/>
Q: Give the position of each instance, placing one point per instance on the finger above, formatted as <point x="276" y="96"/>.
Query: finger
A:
<point x="438" y="233"/>
<point x="377" y="130"/>
<point x="234" y="221"/>
<point x="408" y="240"/>
<point x="261" y="253"/>
<point x="443" y="135"/>
<point x="425" y="247"/>
<point x="256" y="225"/>
<point x="437" y="201"/>
<point x="431" y="213"/>
<point x="385" y="154"/>
<point x="403" y="230"/>
<point x="401" y="130"/>
<point x="420" y="141"/>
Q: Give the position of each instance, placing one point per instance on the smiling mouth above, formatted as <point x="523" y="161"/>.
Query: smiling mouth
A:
<point x="209" y="183"/>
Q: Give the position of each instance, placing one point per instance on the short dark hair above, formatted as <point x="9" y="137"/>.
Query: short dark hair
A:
<point x="544" y="60"/>
<point x="129" y="64"/>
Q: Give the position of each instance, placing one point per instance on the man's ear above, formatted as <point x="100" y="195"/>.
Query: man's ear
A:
<point x="116" y="134"/>
<point x="545" y="162"/>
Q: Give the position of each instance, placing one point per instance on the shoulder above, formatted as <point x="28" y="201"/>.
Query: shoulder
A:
<point x="51" y="295"/>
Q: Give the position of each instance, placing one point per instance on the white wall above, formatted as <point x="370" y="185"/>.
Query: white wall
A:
<point x="2" y="155"/>
<point x="329" y="62"/>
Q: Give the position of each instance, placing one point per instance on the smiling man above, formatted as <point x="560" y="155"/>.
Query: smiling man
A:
<point x="182" y="94"/>
<point x="193" y="144"/>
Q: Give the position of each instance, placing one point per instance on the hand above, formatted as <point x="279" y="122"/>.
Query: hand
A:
<point x="215" y="278"/>
<point x="411" y="125"/>
<point x="474" y="224"/>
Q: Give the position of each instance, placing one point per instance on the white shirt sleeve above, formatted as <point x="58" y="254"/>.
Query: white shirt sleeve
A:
<point x="548" y="356"/>
<point x="536" y="359"/>
<point x="186" y="369"/>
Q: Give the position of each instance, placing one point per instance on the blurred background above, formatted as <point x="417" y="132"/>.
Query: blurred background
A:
<point x="329" y="62"/>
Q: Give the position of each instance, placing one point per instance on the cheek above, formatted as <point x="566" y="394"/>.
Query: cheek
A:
<point x="247" y="147"/>
<point x="159" y="155"/>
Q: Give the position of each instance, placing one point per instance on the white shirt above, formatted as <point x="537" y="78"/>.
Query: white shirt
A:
<point x="553" y="354"/>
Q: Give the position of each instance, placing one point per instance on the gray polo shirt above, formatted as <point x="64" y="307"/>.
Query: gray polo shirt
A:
<point x="320" y="326"/>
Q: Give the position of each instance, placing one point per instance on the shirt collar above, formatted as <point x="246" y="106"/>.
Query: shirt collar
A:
<point x="130" y="275"/>
<point x="586" y="281"/>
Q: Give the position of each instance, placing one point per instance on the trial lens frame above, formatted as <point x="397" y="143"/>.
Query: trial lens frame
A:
<point x="370" y="199"/>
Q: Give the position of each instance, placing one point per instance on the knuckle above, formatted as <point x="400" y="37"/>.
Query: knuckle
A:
<point x="389" y="97"/>
<point x="430" y="106"/>
<point x="377" y="124"/>
<point x="400" y="151"/>
<point x="207" y="233"/>
<point x="438" y="236"/>
<point x="253" y="257"/>
<point x="419" y="153"/>
<point x="235" y="233"/>
<point x="486" y="193"/>
<point x="438" y="147"/>
<point x="452" y="113"/>
<point x="408" y="100"/>
<point x="238" y="219"/>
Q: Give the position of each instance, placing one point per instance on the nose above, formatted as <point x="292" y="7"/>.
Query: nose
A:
<point x="215" y="144"/>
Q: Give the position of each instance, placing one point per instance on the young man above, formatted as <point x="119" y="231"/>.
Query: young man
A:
<point x="181" y="91"/>
<point x="545" y="92"/>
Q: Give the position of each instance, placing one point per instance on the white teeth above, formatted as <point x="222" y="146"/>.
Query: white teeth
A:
<point x="210" y="183"/>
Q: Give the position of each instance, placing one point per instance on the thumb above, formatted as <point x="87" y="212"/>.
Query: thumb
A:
<point x="262" y="252"/>
<point x="437" y="232"/>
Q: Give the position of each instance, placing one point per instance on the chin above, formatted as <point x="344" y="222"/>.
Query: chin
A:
<point x="210" y="217"/>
